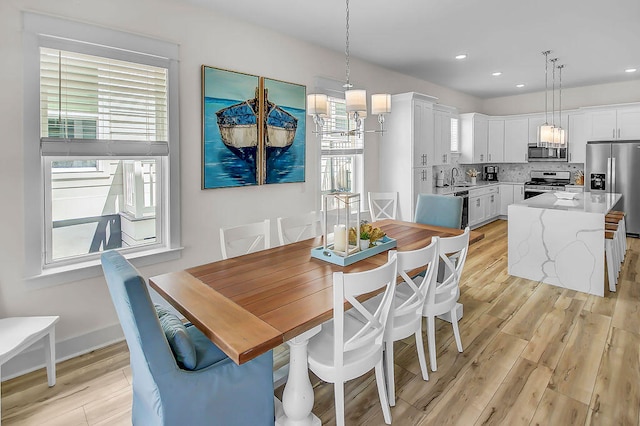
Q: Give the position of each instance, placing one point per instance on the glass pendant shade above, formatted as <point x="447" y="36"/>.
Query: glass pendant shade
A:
<point x="380" y="103"/>
<point x="545" y="134"/>
<point x="356" y="100"/>
<point x="317" y="104"/>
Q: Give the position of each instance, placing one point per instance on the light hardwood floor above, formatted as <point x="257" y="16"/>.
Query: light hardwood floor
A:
<point x="533" y="354"/>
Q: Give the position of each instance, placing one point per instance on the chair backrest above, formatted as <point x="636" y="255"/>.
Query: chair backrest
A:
<point x="245" y="239"/>
<point x="424" y="259"/>
<point x="296" y="228"/>
<point x="439" y="210"/>
<point x="348" y="287"/>
<point x="383" y="205"/>
<point x="453" y="254"/>
<point x="150" y="354"/>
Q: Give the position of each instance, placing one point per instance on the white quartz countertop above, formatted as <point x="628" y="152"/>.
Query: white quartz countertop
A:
<point x="587" y="202"/>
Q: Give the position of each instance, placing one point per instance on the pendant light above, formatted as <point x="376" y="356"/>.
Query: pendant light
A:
<point x="545" y="132"/>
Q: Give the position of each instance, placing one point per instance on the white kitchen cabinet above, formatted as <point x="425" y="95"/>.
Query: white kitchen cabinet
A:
<point x="577" y="138"/>
<point x="442" y="134"/>
<point x="484" y="205"/>
<point x="516" y="137"/>
<point x="535" y="121"/>
<point x="473" y="138"/>
<point x="407" y="151"/>
<point x="510" y="193"/>
<point x="495" y="140"/>
<point x="613" y="123"/>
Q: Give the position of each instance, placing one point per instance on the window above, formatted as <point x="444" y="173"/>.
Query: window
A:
<point x="341" y="163"/>
<point x="106" y="145"/>
<point x="455" y="125"/>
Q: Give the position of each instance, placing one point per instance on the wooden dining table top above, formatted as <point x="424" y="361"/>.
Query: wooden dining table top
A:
<point x="250" y="304"/>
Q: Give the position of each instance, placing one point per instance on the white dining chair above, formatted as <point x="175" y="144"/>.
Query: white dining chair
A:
<point x="18" y="333"/>
<point x="296" y="228"/>
<point x="245" y="239"/>
<point x="443" y="297"/>
<point x="347" y="348"/>
<point x="405" y="318"/>
<point x="383" y="205"/>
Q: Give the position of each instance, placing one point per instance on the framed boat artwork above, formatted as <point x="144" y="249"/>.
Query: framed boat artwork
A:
<point x="253" y="130"/>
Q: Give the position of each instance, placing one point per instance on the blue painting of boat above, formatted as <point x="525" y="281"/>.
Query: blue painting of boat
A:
<point x="231" y="155"/>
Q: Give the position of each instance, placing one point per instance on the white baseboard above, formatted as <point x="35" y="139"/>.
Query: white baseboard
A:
<point x="33" y="358"/>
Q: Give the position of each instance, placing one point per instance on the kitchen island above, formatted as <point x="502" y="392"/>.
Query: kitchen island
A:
<point x="560" y="242"/>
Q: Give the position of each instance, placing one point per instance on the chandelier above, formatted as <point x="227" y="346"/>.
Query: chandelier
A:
<point x="545" y="132"/>
<point x="355" y="99"/>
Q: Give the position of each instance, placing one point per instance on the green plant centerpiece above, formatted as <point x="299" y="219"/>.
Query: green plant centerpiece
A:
<point x="366" y="232"/>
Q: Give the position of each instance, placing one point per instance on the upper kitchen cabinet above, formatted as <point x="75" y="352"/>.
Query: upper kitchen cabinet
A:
<point x="516" y="138"/>
<point x="442" y="116"/>
<point x="408" y="139"/>
<point x="577" y="138"/>
<point x="613" y="123"/>
<point x="474" y="135"/>
<point x="495" y="140"/>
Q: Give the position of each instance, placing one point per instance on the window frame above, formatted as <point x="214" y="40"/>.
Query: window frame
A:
<point x="357" y="152"/>
<point x="45" y="31"/>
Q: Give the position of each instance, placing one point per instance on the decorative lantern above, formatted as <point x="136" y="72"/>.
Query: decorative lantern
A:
<point x="346" y="207"/>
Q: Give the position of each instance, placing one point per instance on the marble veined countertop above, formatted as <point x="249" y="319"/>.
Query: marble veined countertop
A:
<point x="588" y="202"/>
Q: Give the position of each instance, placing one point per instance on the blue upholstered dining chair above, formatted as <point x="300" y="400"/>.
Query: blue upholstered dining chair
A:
<point x="439" y="210"/>
<point x="216" y="391"/>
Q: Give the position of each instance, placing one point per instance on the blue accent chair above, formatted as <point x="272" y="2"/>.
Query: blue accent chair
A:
<point x="216" y="392"/>
<point x="439" y="210"/>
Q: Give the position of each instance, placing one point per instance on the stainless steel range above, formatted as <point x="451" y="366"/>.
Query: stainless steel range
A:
<point x="542" y="182"/>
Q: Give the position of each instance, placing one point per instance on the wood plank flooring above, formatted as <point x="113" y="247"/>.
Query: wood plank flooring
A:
<point x="533" y="354"/>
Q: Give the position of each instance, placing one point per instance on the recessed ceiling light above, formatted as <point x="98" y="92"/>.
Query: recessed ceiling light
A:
<point x="630" y="70"/>
<point x="461" y="56"/>
<point x="496" y="74"/>
<point x="519" y="85"/>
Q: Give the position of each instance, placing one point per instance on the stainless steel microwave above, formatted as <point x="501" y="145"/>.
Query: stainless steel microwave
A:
<point x="536" y="153"/>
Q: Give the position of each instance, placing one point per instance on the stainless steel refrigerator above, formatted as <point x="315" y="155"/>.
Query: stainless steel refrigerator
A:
<point x="615" y="167"/>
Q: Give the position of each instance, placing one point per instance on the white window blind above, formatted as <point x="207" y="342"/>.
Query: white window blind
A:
<point x="99" y="106"/>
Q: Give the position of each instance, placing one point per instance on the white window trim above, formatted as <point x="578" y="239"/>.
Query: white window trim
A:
<point x="36" y="28"/>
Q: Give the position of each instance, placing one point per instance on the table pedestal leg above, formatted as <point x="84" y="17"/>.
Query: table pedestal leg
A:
<point x="297" y="399"/>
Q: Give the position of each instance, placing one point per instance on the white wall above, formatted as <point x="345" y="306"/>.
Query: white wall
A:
<point x="602" y="94"/>
<point x="87" y="315"/>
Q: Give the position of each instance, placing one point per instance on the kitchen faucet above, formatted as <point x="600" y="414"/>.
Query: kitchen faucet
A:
<point x="453" y="179"/>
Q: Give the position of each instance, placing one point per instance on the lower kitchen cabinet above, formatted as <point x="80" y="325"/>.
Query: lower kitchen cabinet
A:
<point x="484" y="205"/>
<point x="509" y="194"/>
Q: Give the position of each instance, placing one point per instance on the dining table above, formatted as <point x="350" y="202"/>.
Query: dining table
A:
<point x="250" y="304"/>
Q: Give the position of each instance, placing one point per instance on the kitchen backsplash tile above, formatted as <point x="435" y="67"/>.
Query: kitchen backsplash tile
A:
<point x="508" y="172"/>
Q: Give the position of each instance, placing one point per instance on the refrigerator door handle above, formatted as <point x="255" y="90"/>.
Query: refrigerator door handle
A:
<point x="608" y="175"/>
<point x="613" y="174"/>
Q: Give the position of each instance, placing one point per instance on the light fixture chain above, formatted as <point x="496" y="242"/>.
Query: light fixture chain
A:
<point x="347" y="47"/>
<point x="560" y="99"/>
<point x="553" y="93"/>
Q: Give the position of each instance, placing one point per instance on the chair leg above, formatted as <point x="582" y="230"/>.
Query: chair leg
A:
<point x="391" y="381"/>
<point x="421" y="356"/>
<point x="456" y="330"/>
<point x="338" y="390"/>
<point x="384" y="402"/>
<point x="431" y="341"/>
<point x="50" y="355"/>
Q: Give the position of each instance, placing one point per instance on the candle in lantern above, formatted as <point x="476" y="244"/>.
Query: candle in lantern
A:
<point x="339" y="237"/>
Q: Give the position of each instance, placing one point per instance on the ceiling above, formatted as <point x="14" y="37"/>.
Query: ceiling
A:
<point x="596" y="40"/>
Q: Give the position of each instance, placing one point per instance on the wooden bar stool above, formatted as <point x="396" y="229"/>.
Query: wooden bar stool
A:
<point x="617" y="248"/>
<point x="623" y="225"/>
<point x="612" y="261"/>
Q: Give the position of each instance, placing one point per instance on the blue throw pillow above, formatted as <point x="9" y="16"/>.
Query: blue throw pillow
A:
<point x="178" y="337"/>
